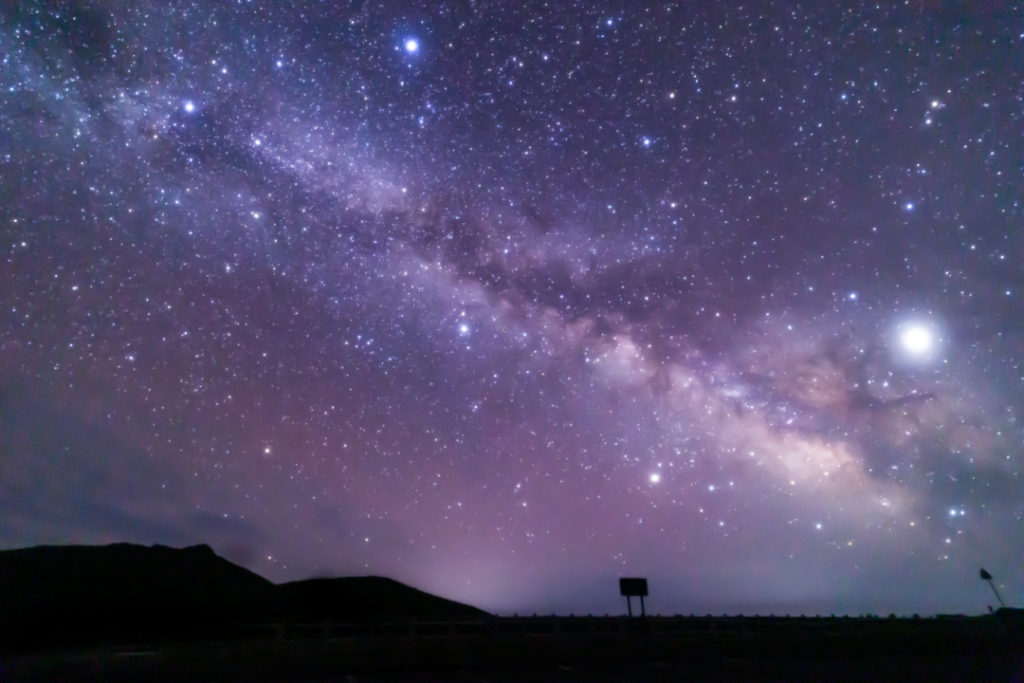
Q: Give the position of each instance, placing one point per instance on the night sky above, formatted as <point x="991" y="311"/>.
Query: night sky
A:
<point x="509" y="300"/>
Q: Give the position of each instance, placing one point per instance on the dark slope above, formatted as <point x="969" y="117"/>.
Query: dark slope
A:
<point x="62" y="594"/>
<point x="364" y="598"/>
<point x="68" y="592"/>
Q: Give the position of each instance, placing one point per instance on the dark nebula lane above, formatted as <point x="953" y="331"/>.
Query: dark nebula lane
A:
<point x="508" y="300"/>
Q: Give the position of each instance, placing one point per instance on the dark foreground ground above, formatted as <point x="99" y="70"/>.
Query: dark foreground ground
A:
<point x="554" y="649"/>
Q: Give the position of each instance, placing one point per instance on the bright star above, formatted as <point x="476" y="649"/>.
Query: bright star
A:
<point x="655" y="477"/>
<point x="189" y="106"/>
<point x="412" y="46"/>
<point x="463" y="329"/>
<point x="917" y="339"/>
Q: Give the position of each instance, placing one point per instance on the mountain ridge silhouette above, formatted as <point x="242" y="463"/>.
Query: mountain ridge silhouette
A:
<point x="123" y="587"/>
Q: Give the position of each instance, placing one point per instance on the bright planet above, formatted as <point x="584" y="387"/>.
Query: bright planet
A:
<point x="917" y="339"/>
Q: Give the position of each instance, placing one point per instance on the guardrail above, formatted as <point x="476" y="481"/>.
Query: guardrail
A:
<point x="589" y="626"/>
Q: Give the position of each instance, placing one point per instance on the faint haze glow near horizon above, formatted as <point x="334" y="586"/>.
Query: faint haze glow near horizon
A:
<point x="507" y="303"/>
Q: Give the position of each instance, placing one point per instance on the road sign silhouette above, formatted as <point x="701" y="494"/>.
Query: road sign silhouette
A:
<point x="630" y="587"/>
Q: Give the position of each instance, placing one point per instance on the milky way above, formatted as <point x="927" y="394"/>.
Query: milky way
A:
<point x="507" y="301"/>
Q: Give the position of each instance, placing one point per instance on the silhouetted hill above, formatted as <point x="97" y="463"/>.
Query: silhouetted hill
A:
<point x="125" y="581"/>
<point x="364" y="598"/>
<point x="66" y="593"/>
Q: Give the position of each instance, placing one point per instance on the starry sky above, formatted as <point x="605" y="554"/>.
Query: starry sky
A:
<point x="508" y="300"/>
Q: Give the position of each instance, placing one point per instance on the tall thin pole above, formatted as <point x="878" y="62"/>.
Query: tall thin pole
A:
<point x="988" y="578"/>
<point x="998" y="597"/>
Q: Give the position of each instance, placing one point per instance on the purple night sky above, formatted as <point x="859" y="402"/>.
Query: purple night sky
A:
<point x="507" y="300"/>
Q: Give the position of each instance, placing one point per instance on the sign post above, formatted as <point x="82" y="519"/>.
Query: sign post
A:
<point x="631" y="587"/>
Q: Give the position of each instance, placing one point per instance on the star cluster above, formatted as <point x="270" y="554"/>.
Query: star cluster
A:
<point x="508" y="300"/>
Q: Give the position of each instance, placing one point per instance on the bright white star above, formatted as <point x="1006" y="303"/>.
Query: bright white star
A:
<point x="917" y="339"/>
<point x="412" y="46"/>
<point x="655" y="477"/>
